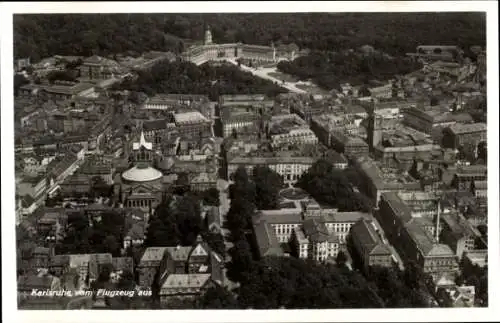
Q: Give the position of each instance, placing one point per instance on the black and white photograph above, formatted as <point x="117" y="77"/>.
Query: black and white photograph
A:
<point x="229" y="159"/>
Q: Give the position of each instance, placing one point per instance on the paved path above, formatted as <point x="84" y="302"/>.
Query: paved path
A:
<point x="264" y="73"/>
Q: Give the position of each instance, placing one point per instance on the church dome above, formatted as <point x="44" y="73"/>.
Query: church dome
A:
<point x="142" y="174"/>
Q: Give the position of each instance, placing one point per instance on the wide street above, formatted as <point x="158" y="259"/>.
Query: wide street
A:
<point x="264" y="73"/>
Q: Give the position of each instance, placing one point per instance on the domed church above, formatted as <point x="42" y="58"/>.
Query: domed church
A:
<point x="142" y="185"/>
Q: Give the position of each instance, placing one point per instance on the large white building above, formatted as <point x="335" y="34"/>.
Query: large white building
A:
<point x="298" y="136"/>
<point x="290" y="168"/>
<point x="209" y="51"/>
<point x="319" y="234"/>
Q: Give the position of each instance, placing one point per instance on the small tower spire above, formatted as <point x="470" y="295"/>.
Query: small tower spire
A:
<point x="142" y="141"/>
<point x="208" y="36"/>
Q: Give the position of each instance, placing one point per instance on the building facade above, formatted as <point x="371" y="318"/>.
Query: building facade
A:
<point x="290" y="168"/>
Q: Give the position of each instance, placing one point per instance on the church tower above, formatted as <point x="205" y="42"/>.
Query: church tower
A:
<point x="208" y="36"/>
<point x="374" y="127"/>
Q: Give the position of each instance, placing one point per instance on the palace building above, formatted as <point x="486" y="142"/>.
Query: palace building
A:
<point x="209" y="51"/>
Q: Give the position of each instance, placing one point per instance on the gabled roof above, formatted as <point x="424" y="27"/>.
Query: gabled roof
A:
<point x="153" y="254"/>
<point x="200" y="250"/>
<point x="179" y="253"/>
<point x="186" y="281"/>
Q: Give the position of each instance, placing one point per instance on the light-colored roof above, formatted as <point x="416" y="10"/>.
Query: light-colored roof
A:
<point x="439" y="250"/>
<point x="153" y="254"/>
<point x="179" y="253"/>
<point x="272" y="160"/>
<point x="137" y="174"/>
<point x="460" y="128"/>
<point x="189" y="117"/>
<point x="98" y="60"/>
<point x="478" y="257"/>
<point x="186" y="280"/>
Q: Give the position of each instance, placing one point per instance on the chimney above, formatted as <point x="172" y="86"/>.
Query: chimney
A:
<point x="437" y="220"/>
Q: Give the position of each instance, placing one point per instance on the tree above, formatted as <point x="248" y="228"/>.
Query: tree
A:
<point x="185" y="77"/>
<point x="216" y="242"/>
<point x="19" y="80"/>
<point x="187" y="214"/>
<point x="341" y="259"/>
<point x="211" y="197"/>
<point x="332" y="187"/>
<point x="268" y="184"/>
<point x="61" y="76"/>
<point x="390" y="286"/>
<point x="242" y="188"/>
<point x="239" y="216"/>
<point x="77" y="239"/>
<point x="175" y="222"/>
<point x="163" y="230"/>
<point x="241" y="260"/>
<point x="217" y="298"/>
<point x="119" y="33"/>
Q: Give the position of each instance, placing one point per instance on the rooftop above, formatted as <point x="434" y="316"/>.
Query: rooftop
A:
<point x="151" y="125"/>
<point x="186" y="281"/>
<point x="179" y="253"/>
<point x="332" y="215"/>
<point x="153" y="254"/>
<point x="460" y="128"/>
<point x="279" y="216"/>
<point x="266" y="239"/>
<point x="477" y="257"/>
<point x="189" y="118"/>
<point x="365" y="233"/>
<point x="316" y="231"/>
<point x="98" y="60"/>
<point x="387" y="178"/>
<point x="139" y="174"/>
<point x="271" y="160"/>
